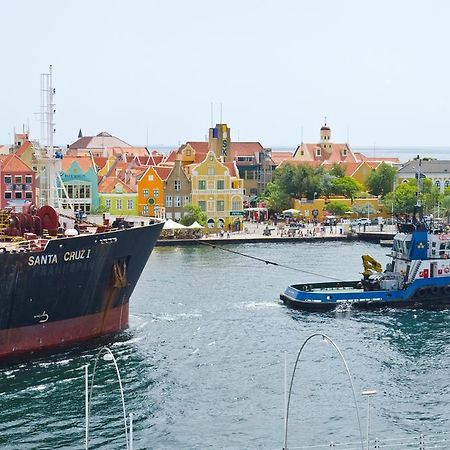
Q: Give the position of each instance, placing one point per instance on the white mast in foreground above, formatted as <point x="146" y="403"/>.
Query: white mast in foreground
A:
<point x="50" y="185"/>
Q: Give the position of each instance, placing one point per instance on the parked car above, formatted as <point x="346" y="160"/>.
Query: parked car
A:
<point x="364" y="220"/>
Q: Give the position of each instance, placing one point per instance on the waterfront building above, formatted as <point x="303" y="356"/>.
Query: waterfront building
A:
<point x="17" y="182"/>
<point x="218" y="190"/>
<point x="177" y="191"/>
<point x="117" y="198"/>
<point x="324" y="150"/>
<point x="150" y="188"/>
<point x="103" y="144"/>
<point x="255" y="166"/>
<point x="438" y="171"/>
<point x="79" y="176"/>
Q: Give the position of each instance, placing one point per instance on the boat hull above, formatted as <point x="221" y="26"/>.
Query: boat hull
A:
<point x="322" y="297"/>
<point x="76" y="289"/>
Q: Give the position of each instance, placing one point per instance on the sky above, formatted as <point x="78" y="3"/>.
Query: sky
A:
<point x="148" y="71"/>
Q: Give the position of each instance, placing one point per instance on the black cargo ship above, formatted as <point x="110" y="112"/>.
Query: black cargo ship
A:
<point x="60" y="287"/>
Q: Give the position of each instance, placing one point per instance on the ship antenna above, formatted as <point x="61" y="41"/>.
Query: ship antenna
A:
<point x="418" y="205"/>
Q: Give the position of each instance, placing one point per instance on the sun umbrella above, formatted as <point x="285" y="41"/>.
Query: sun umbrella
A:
<point x="291" y="211"/>
<point x="172" y="225"/>
<point x="195" y="226"/>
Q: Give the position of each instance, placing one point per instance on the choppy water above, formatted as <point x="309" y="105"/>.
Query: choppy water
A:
<point x="203" y="362"/>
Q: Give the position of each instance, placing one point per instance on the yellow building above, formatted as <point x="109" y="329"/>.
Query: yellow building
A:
<point x="218" y="190"/>
<point x="315" y="209"/>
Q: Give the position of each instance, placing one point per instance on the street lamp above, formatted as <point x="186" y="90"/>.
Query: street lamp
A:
<point x="368" y="394"/>
<point x="315" y="193"/>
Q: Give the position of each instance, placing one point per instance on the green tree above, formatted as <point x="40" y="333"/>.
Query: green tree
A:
<point x="337" y="171"/>
<point x="276" y="198"/>
<point x="193" y="213"/>
<point x="445" y="204"/>
<point x="347" y="186"/>
<point x="381" y="180"/>
<point x="402" y="200"/>
<point x="336" y="208"/>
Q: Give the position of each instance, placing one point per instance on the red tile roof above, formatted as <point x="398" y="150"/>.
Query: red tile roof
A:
<point x="163" y="172"/>
<point x="108" y="184"/>
<point x="23" y="148"/>
<point x="245" y="148"/>
<point x="13" y="163"/>
<point x="279" y="157"/>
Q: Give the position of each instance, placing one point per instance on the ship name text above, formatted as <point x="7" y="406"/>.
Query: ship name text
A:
<point x="75" y="255"/>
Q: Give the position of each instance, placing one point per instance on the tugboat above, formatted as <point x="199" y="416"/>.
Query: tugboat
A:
<point x="62" y="286"/>
<point x="417" y="277"/>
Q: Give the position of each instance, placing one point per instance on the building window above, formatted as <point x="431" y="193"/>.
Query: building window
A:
<point x="317" y="151"/>
<point x="145" y="210"/>
<point x="220" y="205"/>
<point x="130" y="204"/>
<point x="186" y="200"/>
<point x="236" y="205"/>
<point x="302" y="152"/>
<point x="188" y="152"/>
<point x="18" y="179"/>
<point x="8" y="194"/>
<point x="447" y="183"/>
<point x="28" y="179"/>
<point x="220" y="184"/>
<point x="438" y="184"/>
<point x="155" y="193"/>
<point x="18" y="194"/>
<point x="177" y="201"/>
<point x="28" y="195"/>
<point x="118" y="204"/>
<point x="210" y="171"/>
<point x="211" y="157"/>
<point x="177" y="185"/>
<point x="201" y="185"/>
<point x="202" y="205"/>
<point x="150" y="178"/>
<point x="168" y="200"/>
<point x="145" y="193"/>
<point x="344" y="152"/>
<point x="8" y="179"/>
<point x="108" y="203"/>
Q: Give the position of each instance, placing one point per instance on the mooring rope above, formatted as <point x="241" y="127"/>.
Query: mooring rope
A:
<point x="266" y="261"/>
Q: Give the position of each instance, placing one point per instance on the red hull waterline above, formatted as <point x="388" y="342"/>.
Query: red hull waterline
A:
<point x="44" y="336"/>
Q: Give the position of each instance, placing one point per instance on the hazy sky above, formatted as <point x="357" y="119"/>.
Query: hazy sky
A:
<point x="379" y="69"/>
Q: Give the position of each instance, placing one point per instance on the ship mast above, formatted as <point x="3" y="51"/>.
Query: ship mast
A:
<point x="51" y="188"/>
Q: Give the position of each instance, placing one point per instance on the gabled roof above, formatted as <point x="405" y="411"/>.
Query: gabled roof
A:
<point x="232" y="168"/>
<point x="163" y="172"/>
<point x="85" y="162"/>
<point x="333" y="154"/>
<point x="12" y="163"/>
<point x="379" y="159"/>
<point x="23" y="148"/>
<point x="108" y="184"/>
<point x="102" y="140"/>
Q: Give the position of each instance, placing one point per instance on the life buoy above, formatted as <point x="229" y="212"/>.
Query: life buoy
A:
<point x="436" y="291"/>
<point x="445" y="256"/>
<point x="447" y="269"/>
<point x="421" y="292"/>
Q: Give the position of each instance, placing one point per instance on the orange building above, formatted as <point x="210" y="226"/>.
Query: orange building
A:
<point x="151" y="191"/>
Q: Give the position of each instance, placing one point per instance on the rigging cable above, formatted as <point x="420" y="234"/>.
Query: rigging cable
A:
<point x="272" y="263"/>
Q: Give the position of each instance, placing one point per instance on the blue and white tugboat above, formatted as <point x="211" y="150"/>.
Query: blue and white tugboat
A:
<point x="417" y="277"/>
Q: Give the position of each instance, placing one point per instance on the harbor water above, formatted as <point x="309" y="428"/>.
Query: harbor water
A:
<point x="203" y="363"/>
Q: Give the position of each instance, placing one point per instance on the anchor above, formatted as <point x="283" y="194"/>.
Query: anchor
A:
<point x="43" y="317"/>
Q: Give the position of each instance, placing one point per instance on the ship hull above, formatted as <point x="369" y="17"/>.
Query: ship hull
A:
<point x="76" y="289"/>
<point x="322" y="297"/>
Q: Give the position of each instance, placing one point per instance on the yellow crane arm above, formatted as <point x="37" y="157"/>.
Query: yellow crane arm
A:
<point x="370" y="265"/>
